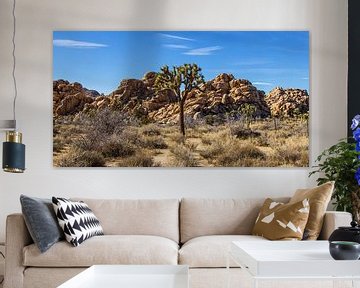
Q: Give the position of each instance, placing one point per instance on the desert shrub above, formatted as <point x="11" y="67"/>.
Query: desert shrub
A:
<point x="153" y="142"/>
<point x="211" y="152"/>
<point x="86" y="143"/>
<point x="190" y="122"/>
<point x="177" y="137"/>
<point x="213" y="120"/>
<point x="206" y="140"/>
<point x="116" y="147"/>
<point x="107" y="122"/>
<point x="262" y="141"/>
<point x="191" y="146"/>
<point x="150" y="130"/>
<point x="240" y="133"/>
<point x="57" y="145"/>
<point x="183" y="157"/>
<point x="138" y="160"/>
<point x="60" y="142"/>
<point x="235" y="154"/>
<point x="287" y="155"/>
<point x="131" y="135"/>
<point x="78" y="158"/>
<point x="293" y="152"/>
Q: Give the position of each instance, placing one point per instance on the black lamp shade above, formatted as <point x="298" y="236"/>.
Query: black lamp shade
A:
<point x="13" y="157"/>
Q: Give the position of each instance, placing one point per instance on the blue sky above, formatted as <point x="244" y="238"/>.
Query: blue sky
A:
<point x="101" y="59"/>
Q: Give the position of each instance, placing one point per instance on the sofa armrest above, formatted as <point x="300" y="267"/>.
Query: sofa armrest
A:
<point x="333" y="220"/>
<point x="17" y="237"/>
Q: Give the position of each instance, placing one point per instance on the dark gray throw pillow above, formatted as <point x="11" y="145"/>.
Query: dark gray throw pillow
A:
<point x="41" y="221"/>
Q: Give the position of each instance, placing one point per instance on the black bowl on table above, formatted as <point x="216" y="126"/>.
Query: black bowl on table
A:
<point x="344" y="250"/>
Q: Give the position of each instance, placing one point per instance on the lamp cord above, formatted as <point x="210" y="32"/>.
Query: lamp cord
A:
<point x="14" y="60"/>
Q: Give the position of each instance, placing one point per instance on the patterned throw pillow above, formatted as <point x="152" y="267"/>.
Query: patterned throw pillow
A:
<point x="279" y="221"/>
<point x="319" y="198"/>
<point x="77" y="220"/>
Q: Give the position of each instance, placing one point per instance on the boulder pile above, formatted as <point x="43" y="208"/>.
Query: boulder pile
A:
<point x="70" y="98"/>
<point x="287" y="102"/>
<point x="218" y="97"/>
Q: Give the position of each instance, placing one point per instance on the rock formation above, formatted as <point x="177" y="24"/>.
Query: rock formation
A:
<point x="287" y="102"/>
<point x="70" y="98"/>
<point x="218" y="97"/>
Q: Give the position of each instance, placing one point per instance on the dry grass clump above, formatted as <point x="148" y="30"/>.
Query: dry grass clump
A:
<point x="235" y="154"/>
<point x="63" y="136"/>
<point x="176" y="137"/>
<point x="215" y="148"/>
<point x="241" y="133"/>
<point x="294" y="151"/>
<point x="79" y="158"/>
<point x="262" y="141"/>
<point x="150" y="130"/>
<point x="184" y="156"/>
<point x="116" y="146"/>
<point x="58" y="144"/>
<point x="153" y="142"/>
<point x="140" y="159"/>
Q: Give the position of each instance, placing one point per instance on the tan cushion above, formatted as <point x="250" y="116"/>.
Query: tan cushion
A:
<point x="279" y="221"/>
<point x="107" y="249"/>
<point x="319" y="198"/>
<point x="211" y="251"/>
<point x="159" y="217"/>
<point x="48" y="277"/>
<point x="200" y="217"/>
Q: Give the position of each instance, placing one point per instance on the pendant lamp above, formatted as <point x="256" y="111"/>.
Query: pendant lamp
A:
<point x="13" y="160"/>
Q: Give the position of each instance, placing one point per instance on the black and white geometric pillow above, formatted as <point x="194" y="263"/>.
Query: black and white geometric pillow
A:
<point x="77" y="220"/>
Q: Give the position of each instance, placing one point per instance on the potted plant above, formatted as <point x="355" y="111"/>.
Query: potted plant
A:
<point x="341" y="163"/>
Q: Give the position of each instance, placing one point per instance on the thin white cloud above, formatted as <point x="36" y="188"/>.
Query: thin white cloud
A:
<point x="76" y="44"/>
<point x="252" y="62"/>
<point x="263" y="83"/>
<point x="304" y="78"/>
<point x="203" y="51"/>
<point x="175" y="46"/>
<point x="176" y="37"/>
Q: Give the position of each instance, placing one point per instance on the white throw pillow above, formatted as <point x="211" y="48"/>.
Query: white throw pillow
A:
<point x="76" y="220"/>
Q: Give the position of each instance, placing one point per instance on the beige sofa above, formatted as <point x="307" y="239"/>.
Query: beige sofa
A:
<point x="194" y="232"/>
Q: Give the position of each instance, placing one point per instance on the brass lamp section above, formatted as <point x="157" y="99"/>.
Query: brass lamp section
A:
<point x="13" y="153"/>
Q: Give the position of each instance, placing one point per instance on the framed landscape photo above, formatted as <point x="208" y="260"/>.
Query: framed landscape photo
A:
<point x="181" y="98"/>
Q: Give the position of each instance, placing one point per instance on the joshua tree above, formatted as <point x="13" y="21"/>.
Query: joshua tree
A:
<point x="181" y="80"/>
<point x="276" y="115"/>
<point x="248" y="111"/>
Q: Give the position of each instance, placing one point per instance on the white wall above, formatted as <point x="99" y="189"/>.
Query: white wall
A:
<point x="325" y="19"/>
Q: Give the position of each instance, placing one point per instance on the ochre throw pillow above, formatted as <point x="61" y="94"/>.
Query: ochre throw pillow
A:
<point x="279" y="221"/>
<point x="319" y="198"/>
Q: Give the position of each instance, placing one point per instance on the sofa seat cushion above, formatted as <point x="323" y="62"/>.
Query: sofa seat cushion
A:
<point x="206" y="217"/>
<point x="107" y="249"/>
<point x="211" y="251"/>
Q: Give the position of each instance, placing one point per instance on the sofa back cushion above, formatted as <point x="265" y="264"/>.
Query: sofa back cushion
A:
<point x="200" y="217"/>
<point x="159" y="217"/>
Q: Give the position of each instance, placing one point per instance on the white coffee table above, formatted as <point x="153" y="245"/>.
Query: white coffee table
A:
<point x="131" y="276"/>
<point x="296" y="260"/>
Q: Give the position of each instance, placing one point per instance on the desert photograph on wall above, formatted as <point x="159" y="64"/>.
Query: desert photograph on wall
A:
<point x="181" y="98"/>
